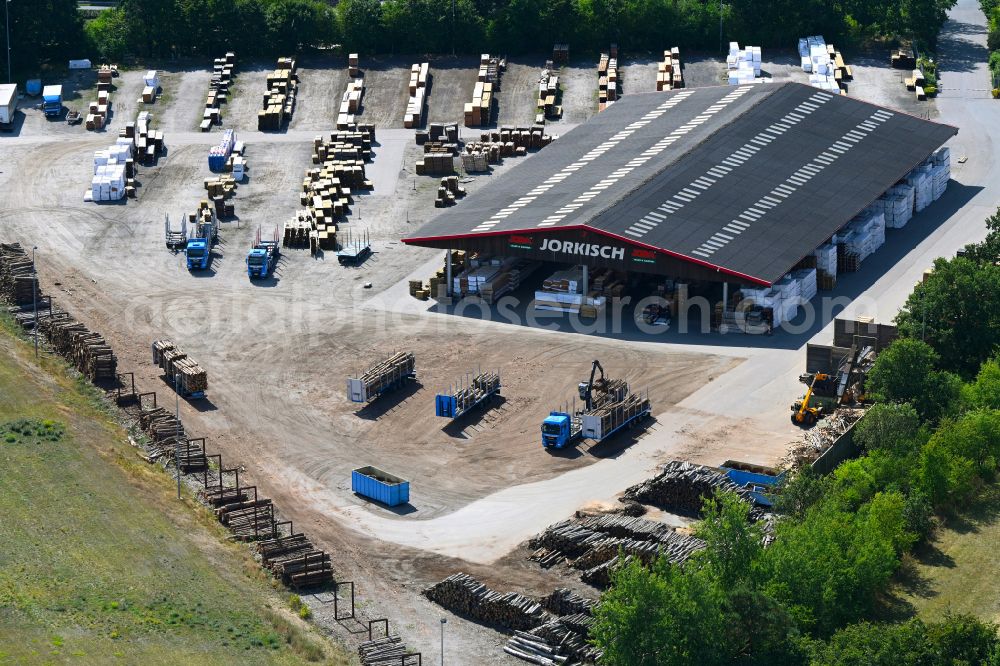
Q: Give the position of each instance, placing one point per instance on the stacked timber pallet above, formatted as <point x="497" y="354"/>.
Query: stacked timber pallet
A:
<point x="448" y="192"/>
<point x="668" y="71"/>
<point x="480" y="110"/>
<point x="439" y="160"/>
<point x="560" y="54"/>
<point x="516" y="141"/>
<point x="682" y="487"/>
<point x="350" y="103"/>
<point x="438" y="132"/>
<point x="416" y="103"/>
<point x="607" y="79"/>
<point x="464" y="595"/>
<point x="218" y="90"/>
<point x="279" y="100"/>
<point x="178" y="367"/>
<point x="296" y="561"/>
<point x="149" y="143"/>
<point x="548" y="95"/>
<point x="99" y="111"/>
<point x="17" y="277"/>
<point x="353" y="65"/>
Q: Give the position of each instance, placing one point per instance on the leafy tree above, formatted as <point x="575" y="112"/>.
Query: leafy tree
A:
<point x="360" y="23"/>
<point x="964" y="639"/>
<point x="800" y="491"/>
<point x="957" y="311"/>
<point x="661" y="616"/>
<point x="944" y="476"/>
<point x="108" y="34"/>
<point x="984" y="391"/>
<point x="905" y="373"/>
<point x="974" y="436"/>
<point x="40" y="31"/>
<point x="868" y="644"/>
<point x="733" y="542"/>
<point x="891" y="426"/>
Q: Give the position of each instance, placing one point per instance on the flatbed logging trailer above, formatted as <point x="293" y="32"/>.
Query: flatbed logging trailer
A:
<point x="381" y="377"/>
<point x="355" y="251"/>
<point x="560" y="429"/>
<point x="185" y="374"/>
<point x="176" y="239"/>
<point x="460" y="401"/>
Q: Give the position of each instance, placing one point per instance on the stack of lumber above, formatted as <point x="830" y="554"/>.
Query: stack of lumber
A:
<point x="350" y="103"/>
<point x="298" y="230"/>
<point x="279" y="100"/>
<point x="353" y="65"/>
<point x="513" y="138"/>
<point x="218" y="90"/>
<point x="607" y="80"/>
<point x="478" y="156"/>
<point x="296" y="561"/>
<point x="464" y="595"/>
<point x="560" y="54"/>
<point x="668" y="72"/>
<point x="220" y="186"/>
<point x="353" y="142"/>
<point x="548" y="95"/>
<point x="415" y="105"/>
<point x="437" y="161"/>
<point x="479" y="111"/>
<point x="443" y="132"/>
<point x="448" y="192"/>
<point x="99" y="110"/>
<point x="388" y="372"/>
<point x="17" y="278"/>
<point x="682" y="487"/>
<point x="903" y="58"/>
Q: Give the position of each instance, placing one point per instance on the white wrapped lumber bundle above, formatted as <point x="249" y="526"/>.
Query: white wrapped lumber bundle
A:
<point x="464" y="595"/>
<point x="682" y="487"/>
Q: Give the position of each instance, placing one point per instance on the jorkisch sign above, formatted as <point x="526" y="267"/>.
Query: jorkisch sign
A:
<point x="583" y="249"/>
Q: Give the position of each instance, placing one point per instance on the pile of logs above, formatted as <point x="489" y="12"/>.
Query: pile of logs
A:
<point x="564" y="601"/>
<point x="570" y="633"/>
<point x="533" y="649"/>
<point x="592" y="543"/>
<point x="682" y="487"/>
<point x="161" y="425"/>
<point x="178" y="367"/>
<point x="296" y="561"/>
<point x="87" y="350"/>
<point x="464" y="595"/>
<point x="386" y="651"/>
<point x="17" y="281"/>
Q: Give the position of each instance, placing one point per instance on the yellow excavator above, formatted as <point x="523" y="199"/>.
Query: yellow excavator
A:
<point x="802" y="413"/>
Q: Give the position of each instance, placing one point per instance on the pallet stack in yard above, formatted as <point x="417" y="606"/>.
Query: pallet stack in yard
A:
<point x="327" y="189"/>
<point x="350" y="103"/>
<point x="548" y="95"/>
<point x="114" y="167"/>
<point x="480" y="110"/>
<point x="743" y="65"/>
<point x="415" y="104"/>
<point x="99" y="111"/>
<point x="218" y="155"/>
<point x="560" y="54"/>
<point x="151" y="87"/>
<point x="824" y="64"/>
<point x="607" y="79"/>
<point x="279" y="100"/>
<point x="668" y="71"/>
<point x="218" y="90"/>
<point x="448" y="192"/>
<point x="485" y="278"/>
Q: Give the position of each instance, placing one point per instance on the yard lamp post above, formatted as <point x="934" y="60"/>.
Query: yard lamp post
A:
<point x="6" y="23"/>
<point x="444" y="621"/>
<point x="177" y="446"/>
<point x="34" y="297"/>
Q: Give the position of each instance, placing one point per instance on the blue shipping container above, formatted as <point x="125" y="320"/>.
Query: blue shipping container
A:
<point x="373" y="483"/>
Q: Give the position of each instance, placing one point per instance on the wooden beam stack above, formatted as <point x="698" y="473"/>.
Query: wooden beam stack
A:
<point x="279" y="100"/>
<point x="668" y="72"/>
<point x="218" y="90"/>
<point x="548" y="95"/>
<point x="415" y="105"/>
<point x="448" y="192"/>
<point x="479" y="111"/>
<point x="350" y="103"/>
<point x="607" y="79"/>
<point x="353" y="68"/>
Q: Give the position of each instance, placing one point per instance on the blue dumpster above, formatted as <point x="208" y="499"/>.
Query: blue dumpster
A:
<point x="373" y="483"/>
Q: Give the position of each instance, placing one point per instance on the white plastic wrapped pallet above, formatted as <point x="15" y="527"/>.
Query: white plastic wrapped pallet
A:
<point x="826" y="258"/>
<point x="919" y="179"/>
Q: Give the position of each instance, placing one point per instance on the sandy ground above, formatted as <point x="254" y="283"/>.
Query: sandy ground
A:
<point x="278" y="352"/>
<point x="519" y="91"/>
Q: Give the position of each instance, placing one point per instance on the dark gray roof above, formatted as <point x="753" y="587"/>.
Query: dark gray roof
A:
<point x="745" y="179"/>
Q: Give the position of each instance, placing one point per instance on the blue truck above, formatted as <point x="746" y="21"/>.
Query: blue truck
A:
<point x="561" y="429"/>
<point x="199" y="247"/>
<point x="52" y="101"/>
<point x="373" y="483"/>
<point x="263" y="256"/>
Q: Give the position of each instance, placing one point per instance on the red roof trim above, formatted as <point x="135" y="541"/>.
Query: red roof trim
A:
<point x="584" y="227"/>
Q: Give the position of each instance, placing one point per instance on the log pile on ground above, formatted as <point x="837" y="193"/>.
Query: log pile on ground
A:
<point x="161" y="425"/>
<point x="17" y="282"/>
<point x="86" y="350"/>
<point x="386" y="651"/>
<point x="464" y="595"/>
<point x="570" y="633"/>
<point x="296" y="561"/>
<point x="682" y="487"/>
<point x="564" y="601"/>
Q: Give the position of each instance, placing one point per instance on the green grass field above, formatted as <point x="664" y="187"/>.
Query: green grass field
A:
<point x="959" y="571"/>
<point x="99" y="563"/>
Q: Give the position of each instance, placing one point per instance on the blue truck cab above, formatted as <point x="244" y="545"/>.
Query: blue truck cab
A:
<point x="52" y="101"/>
<point x="557" y="430"/>
<point x="261" y="260"/>
<point x="198" y="254"/>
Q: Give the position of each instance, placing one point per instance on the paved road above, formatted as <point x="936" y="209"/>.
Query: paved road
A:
<point x="761" y="387"/>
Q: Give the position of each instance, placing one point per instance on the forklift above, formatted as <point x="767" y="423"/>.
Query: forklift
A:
<point x="826" y="391"/>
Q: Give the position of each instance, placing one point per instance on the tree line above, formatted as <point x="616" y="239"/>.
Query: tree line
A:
<point x="165" y="28"/>
<point x="931" y="445"/>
